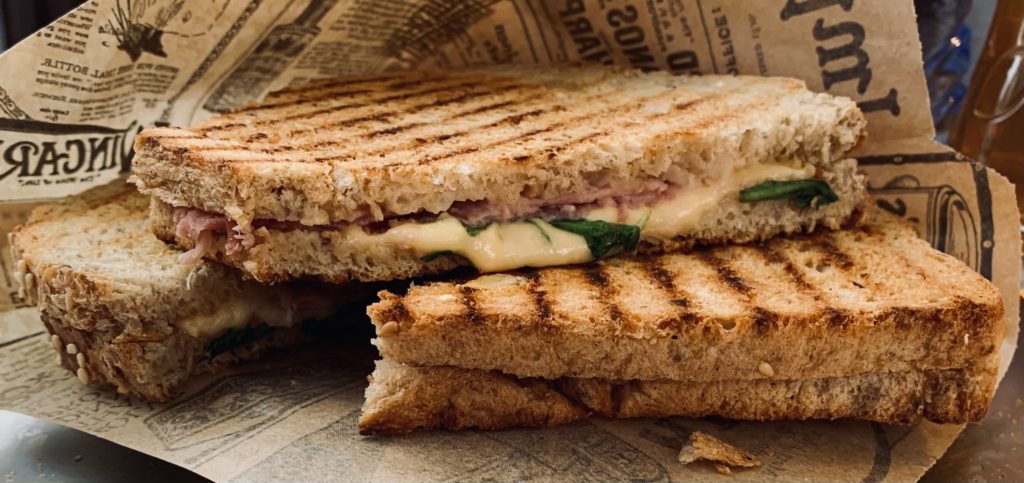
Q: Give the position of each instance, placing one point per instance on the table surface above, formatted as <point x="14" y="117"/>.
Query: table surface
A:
<point x="36" y="451"/>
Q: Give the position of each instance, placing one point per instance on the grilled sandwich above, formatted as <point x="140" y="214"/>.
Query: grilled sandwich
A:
<point x="869" y="322"/>
<point x="414" y="173"/>
<point x="122" y="312"/>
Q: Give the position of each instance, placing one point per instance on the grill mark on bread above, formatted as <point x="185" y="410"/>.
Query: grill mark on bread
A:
<point x="776" y="257"/>
<point x="335" y="141"/>
<point x="361" y="102"/>
<point x="596" y="276"/>
<point x="330" y="90"/>
<point x="551" y="128"/>
<point x="542" y="307"/>
<point x="833" y="253"/>
<point x="655" y="269"/>
<point x="409" y="126"/>
<point x="762" y="319"/>
<point x="474" y="130"/>
<point x="622" y="109"/>
<point x="468" y="297"/>
<point x="725" y="273"/>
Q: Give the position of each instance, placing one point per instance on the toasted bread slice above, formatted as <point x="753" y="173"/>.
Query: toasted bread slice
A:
<point x="344" y="149"/>
<point x="402" y="398"/>
<point x="331" y="180"/>
<point x="123" y="312"/>
<point x="871" y="299"/>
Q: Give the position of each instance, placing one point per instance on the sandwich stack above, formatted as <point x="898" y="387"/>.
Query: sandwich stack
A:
<point x="867" y="323"/>
<point x="645" y="245"/>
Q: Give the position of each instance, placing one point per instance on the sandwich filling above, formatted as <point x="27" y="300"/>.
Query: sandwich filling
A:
<point x="534" y="233"/>
<point x="255" y="310"/>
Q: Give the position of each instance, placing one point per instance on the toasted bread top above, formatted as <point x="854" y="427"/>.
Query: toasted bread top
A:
<point x="404" y="142"/>
<point x="877" y="273"/>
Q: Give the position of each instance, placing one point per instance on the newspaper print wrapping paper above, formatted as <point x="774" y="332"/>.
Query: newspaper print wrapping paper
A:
<point x="73" y="96"/>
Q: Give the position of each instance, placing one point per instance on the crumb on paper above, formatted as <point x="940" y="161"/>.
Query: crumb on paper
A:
<point x="704" y="447"/>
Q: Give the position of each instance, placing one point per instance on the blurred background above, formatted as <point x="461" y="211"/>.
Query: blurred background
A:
<point x="953" y="34"/>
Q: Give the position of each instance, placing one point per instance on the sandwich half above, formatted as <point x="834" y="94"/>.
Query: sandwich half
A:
<point x="414" y="173"/>
<point x="869" y="322"/>
<point x="123" y="312"/>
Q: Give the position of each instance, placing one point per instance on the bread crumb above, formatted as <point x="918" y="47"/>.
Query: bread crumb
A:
<point x="766" y="369"/>
<point x="723" y="456"/>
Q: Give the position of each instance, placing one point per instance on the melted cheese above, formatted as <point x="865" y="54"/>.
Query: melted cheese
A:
<point x="231" y="314"/>
<point x="500" y="246"/>
<point x="670" y="217"/>
<point x="535" y="243"/>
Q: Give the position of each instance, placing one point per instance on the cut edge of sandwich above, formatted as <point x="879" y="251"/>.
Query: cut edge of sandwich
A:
<point x="122" y="312"/>
<point x="351" y="254"/>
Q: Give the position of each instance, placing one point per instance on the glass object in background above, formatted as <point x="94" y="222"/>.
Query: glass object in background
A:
<point x="946" y="46"/>
<point x="991" y="125"/>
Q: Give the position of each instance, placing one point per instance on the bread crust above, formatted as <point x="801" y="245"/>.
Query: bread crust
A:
<point x="403" y="399"/>
<point x="376" y="147"/>
<point x="154" y="369"/>
<point x="833" y="304"/>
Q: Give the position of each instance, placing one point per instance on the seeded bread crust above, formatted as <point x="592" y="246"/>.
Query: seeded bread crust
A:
<point x="152" y="369"/>
<point x="109" y="294"/>
<point x="347" y="148"/>
<point x="332" y="256"/>
<point x="403" y="399"/>
<point x="833" y="304"/>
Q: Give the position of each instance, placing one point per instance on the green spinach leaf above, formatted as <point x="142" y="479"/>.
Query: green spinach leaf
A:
<point x="604" y="239"/>
<point x="540" y="228"/>
<point x="803" y="192"/>
<point x="474" y="230"/>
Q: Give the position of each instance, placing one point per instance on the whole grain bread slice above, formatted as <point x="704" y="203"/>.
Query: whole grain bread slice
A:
<point x="372" y="146"/>
<point x="112" y="296"/>
<point x="403" y="398"/>
<point x="871" y="299"/>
